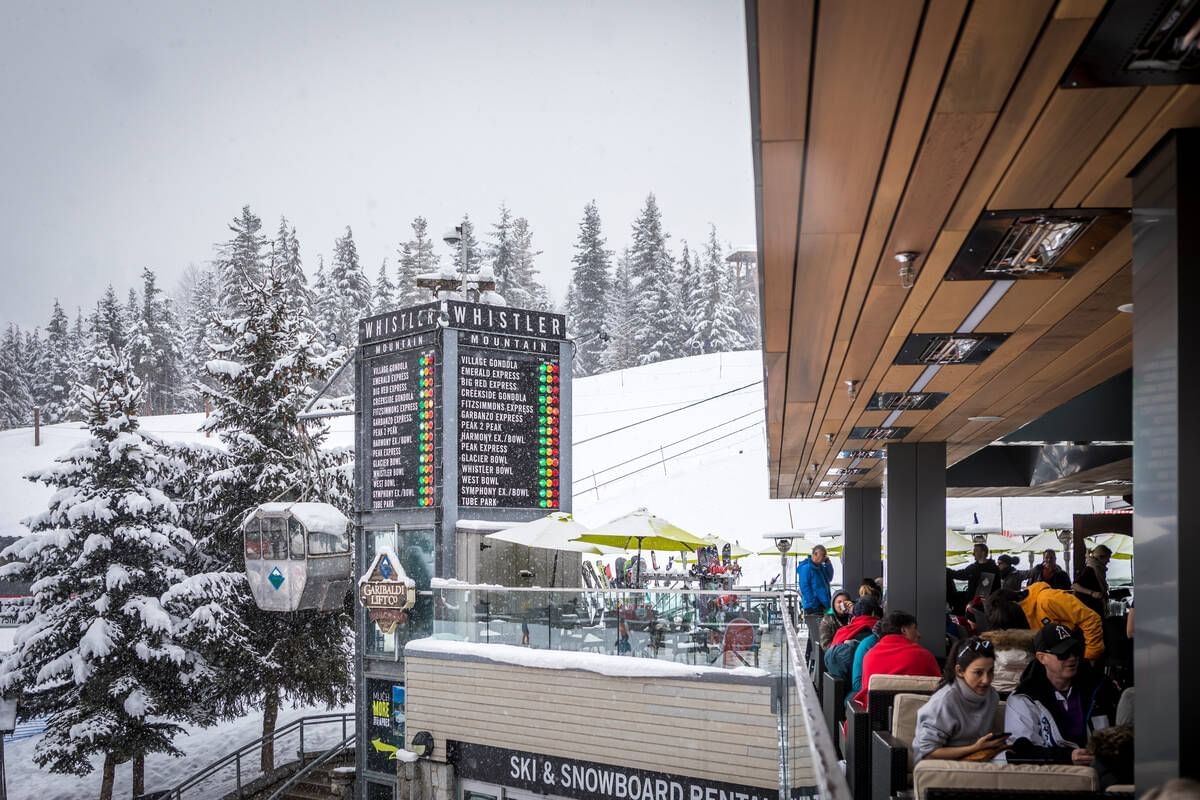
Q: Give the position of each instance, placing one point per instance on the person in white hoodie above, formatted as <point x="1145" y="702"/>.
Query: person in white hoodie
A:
<point x="1009" y="633"/>
<point x="960" y="717"/>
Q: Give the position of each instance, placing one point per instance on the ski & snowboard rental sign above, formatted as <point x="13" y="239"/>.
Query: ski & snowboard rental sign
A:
<point x="585" y="780"/>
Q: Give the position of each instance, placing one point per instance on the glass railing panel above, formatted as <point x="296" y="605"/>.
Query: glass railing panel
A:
<point x="721" y="629"/>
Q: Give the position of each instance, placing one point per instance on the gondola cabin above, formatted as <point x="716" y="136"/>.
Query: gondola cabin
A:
<point x="297" y="556"/>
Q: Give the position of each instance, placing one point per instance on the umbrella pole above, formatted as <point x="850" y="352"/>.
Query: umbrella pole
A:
<point x="637" y="581"/>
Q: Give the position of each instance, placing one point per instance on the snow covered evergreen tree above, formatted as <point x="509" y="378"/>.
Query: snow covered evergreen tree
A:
<point x="689" y="299"/>
<point x="16" y="400"/>
<point x="745" y="301"/>
<point x="156" y="350"/>
<point x="383" y="294"/>
<point x="291" y="268"/>
<point x="96" y="655"/>
<point x="106" y="328"/>
<point x="717" y="317"/>
<point x="59" y="365"/>
<point x="469" y="249"/>
<point x="523" y="288"/>
<point x="500" y="254"/>
<point x="660" y="326"/>
<point x="241" y="262"/>
<point x="201" y="311"/>
<point x="621" y="352"/>
<point x="417" y="257"/>
<point x="348" y="294"/>
<point x="587" y="298"/>
<point x="262" y="379"/>
<point x="37" y="369"/>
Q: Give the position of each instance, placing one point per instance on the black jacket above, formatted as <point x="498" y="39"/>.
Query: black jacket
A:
<point x="971" y="574"/>
<point x="1099" y="699"/>
<point x="1059" y="580"/>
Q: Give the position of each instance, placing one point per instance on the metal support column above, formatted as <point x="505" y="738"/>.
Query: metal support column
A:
<point x="1166" y="432"/>
<point x="862" y="520"/>
<point x="915" y="571"/>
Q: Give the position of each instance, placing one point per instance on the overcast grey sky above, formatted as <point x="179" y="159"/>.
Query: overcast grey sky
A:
<point x="132" y="132"/>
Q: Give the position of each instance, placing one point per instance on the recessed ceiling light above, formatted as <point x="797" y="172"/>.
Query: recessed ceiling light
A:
<point x="985" y="418"/>
<point x="1125" y="308"/>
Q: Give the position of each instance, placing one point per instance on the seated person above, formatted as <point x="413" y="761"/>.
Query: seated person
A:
<point x="839" y="657"/>
<point x="1009" y="633"/>
<point x="835" y="618"/>
<point x="958" y="720"/>
<point x="1057" y="702"/>
<point x="870" y="586"/>
<point x="897" y="653"/>
<point x="860" y="654"/>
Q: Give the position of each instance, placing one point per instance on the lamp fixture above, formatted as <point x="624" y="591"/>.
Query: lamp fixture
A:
<point x="1125" y="308"/>
<point x="908" y="273"/>
<point x="851" y="390"/>
<point x="985" y="418"/>
<point x="829" y="438"/>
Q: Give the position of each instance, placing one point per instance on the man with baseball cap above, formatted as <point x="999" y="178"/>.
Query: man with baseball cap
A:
<point x="1059" y="702"/>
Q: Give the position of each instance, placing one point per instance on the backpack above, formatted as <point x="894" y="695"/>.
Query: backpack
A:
<point x="839" y="659"/>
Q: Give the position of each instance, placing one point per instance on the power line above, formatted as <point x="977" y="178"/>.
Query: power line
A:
<point x="668" y="444"/>
<point x="664" y="414"/>
<point x="672" y="458"/>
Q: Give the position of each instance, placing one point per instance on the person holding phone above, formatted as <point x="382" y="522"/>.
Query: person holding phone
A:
<point x="1059" y="702"/>
<point x="958" y="721"/>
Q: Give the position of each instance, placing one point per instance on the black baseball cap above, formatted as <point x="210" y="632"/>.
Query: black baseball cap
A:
<point x="1058" y="640"/>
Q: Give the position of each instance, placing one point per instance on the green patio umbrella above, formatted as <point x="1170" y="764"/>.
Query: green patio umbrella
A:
<point x="642" y="529"/>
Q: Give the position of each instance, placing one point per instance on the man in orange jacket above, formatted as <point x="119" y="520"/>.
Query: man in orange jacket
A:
<point x="1043" y="604"/>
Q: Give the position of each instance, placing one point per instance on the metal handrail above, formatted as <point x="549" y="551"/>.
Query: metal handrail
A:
<point x="831" y="782"/>
<point x="328" y="754"/>
<point x="751" y="593"/>
<point x="235" y="757"/>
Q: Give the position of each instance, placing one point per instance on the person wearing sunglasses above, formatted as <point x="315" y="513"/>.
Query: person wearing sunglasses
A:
<point x="959" y="720"/>
<point x="1059" y="702"/>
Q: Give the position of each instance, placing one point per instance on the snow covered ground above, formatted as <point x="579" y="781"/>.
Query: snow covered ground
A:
<point x="200" y="746"/>
<point x="704" y="468"/>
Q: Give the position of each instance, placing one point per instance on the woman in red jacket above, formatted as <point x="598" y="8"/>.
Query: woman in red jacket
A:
<point x="897" y="652"/>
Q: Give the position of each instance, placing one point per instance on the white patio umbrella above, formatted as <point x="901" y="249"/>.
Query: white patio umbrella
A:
<point x="735" y="549"/>
<point x="1120" y="544"/>
<point x="557" y="532"/>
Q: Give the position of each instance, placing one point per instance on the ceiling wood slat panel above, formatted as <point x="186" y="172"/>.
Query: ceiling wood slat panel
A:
<point x="784" y="39"/>
<point x="1050" y="58"/>
<point x="950" y="305"/>
<point x="1115" y="190"/>
<point x="990" y="54"/>
<point x="862" y="54"/>
<point x="782" y="163"/>
<point x="1069" y="130"/>
<point x="1139" y="114"/>
<point x="1021" y="300"/>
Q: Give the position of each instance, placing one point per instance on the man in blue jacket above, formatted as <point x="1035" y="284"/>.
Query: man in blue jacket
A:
<point x="813" y="575"/>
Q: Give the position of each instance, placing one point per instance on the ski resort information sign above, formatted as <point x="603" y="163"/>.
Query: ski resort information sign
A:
<point x="508" y="444"/>
<point x="400" y="373"/>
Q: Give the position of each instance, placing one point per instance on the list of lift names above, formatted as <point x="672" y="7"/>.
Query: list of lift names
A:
<point x="394" y="427"/>
<point x="498" y="428"/>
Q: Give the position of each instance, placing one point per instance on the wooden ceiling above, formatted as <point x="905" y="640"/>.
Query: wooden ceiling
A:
<point x="883" y="127"/>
